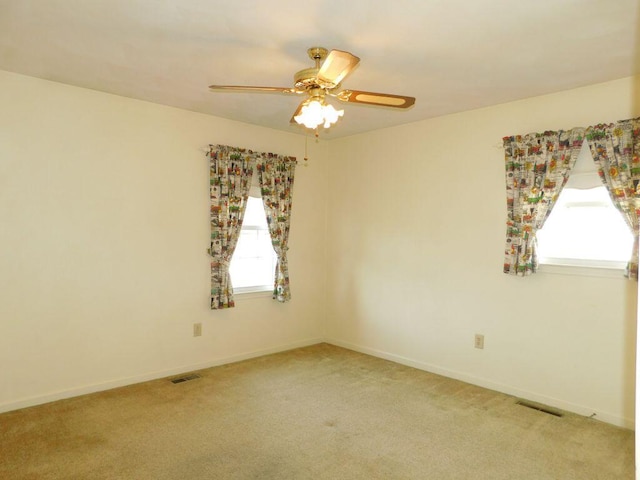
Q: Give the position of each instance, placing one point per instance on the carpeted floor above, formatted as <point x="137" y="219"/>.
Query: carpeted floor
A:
<point x="320" y="412"/>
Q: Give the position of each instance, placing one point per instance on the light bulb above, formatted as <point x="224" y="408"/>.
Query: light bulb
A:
<point x="315" y="112"/>
<point x="310" y="114"/>
<point x="331" y="115"/>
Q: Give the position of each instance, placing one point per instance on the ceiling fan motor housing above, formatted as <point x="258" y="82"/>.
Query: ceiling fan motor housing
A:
<point x="308" y="78"/>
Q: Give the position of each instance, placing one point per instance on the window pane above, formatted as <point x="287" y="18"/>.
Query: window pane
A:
<point x="254" y="214"/>
<point x="584" y="224"/>
<point x="254" y="261"/>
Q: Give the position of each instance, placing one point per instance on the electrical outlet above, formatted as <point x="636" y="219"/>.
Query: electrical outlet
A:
<point x="197" y="329"/>
<point x="479" y="341"/>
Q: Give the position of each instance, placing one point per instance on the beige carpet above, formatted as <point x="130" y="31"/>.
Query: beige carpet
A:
<point x="320" y="412"/>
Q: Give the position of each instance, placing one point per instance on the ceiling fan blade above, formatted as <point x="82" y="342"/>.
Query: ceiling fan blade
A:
<point x="337" y="66"/>
<point x="250" y="89"/>
<point x="379" y="99"/>
<point x="296" y="113"/>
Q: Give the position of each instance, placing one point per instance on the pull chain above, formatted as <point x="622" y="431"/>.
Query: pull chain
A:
<point x="306" y="158"/>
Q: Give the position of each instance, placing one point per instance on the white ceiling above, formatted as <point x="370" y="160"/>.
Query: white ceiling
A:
<point x="452" y="55"/>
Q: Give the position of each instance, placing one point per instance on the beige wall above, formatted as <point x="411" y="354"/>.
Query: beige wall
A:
<point x="103" y="265"/>
<point x="103" y="237"/>
<point x="416" y="235"/>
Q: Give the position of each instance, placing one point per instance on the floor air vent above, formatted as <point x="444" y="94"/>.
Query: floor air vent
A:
<point x="186" y="378"/>
<point x="540" y="408"/>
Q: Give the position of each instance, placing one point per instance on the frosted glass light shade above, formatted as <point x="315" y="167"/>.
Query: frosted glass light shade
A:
<point x="316" y="112"/>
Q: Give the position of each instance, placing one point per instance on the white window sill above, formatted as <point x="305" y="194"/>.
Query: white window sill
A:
<point x="582" y="270"/>
<point x="245" y="293"/>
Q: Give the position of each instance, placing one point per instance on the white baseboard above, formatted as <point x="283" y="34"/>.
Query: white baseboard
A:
<point x="122" y="382"/>
<point x="483" y="382"/>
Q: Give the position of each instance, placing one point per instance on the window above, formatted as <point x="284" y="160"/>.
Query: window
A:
<point x="253" y="263"/>
<point x="585" y="228"/>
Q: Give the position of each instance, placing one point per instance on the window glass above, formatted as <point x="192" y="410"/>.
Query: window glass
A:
<point x="254" y="261"/>
<point x="585" y="228"/>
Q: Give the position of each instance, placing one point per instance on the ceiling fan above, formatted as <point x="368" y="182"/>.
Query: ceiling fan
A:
<point x="325" y="79"/>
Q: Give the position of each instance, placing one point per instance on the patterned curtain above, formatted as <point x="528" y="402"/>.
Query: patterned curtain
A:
<point x="537" y="168"/>
<point x="275" y="173"/>
<point x="616" y="150"/>
<point x="230" y="171"/>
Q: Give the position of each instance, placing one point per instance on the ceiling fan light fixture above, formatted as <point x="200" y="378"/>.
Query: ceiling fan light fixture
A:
<point x="315" y="112"/>
<point x="331" y="115"/>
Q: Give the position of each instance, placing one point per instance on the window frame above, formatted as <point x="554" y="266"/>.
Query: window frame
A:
<point x="253" y="291"/>
<point x="582" y="270"/>
<point x="584" y="266"/>
<point x="583" y="177"/>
